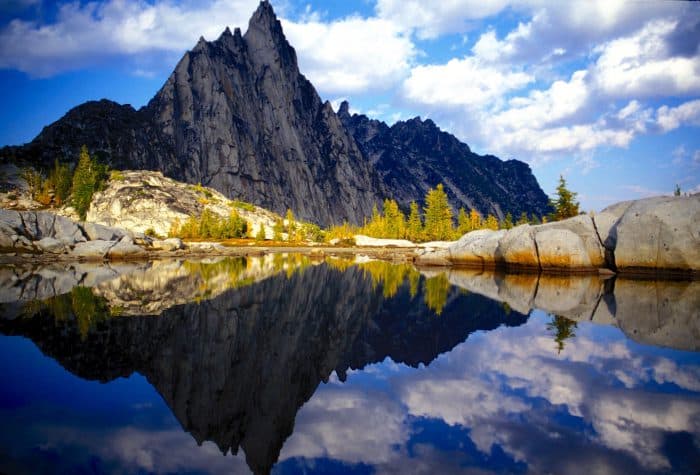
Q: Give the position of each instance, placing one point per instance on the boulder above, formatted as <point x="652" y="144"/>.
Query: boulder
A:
<point x="214" y="247"/>
<point x="51" y="245"/>
<point x="10" y="222"/>
<point x="125" y="248"/>
<point x="583" y="227"/>
<point x="67" y="231"/>
<point x="517" y="247"/>
<point x="561" y="249"/>
<point x="433" y="257"/>
<point x="96" y="249"/>
<point x="170" y="244"/>
<point x="105" y="233"/>
<point x="658" y="233"/>
<point x="476" y="247"/>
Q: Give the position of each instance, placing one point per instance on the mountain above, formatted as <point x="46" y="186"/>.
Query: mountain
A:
<point x="414" y="155"/>
<point x="237" y="115"/>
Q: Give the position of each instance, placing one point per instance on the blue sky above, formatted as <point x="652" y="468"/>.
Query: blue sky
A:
<point x="606" y="92"/>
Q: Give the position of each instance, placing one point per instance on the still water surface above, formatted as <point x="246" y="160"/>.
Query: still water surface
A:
<point x="289" y="365"/>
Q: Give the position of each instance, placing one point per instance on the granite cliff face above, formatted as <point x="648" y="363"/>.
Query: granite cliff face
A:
<point x="414" y="155"/>
<point x="237" y="115"/>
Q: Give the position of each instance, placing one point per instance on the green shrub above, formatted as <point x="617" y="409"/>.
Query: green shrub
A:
<point x="209" y="225"/>
<point x="116" y="175"/>
<point x="242" y="205"/>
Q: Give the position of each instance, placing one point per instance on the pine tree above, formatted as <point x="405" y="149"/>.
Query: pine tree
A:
<point x="474" y="220"/>
<point x="565" y="206"/>
<point x="260" y="236"/>
<point x="491" y="222"/>
<point x="438" y="215"/>
<point x="395" y="221"/>
<point x="507" y="223"/>
<point x="522" y="219"/>
<point x="414" y="227"/>
<point x="84" y="183"/>
<point x="277" y="230"/>
<point x="60" y="178"/>
<point x="463" y="223"/>
<point x="291" y="225"/>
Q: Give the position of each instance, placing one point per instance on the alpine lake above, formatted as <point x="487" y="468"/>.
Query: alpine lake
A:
<point x="291" y="364"/>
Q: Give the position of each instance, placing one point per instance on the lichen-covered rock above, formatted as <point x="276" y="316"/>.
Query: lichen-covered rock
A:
<point x="658" y="233"/>
<point x="98" y="231"/>
<point x="583" y="227"/>
<point x="561" y="249"/>
<point x="433" y="257"/>
<point x="517" y="247"/>
<point x="125" y="248"/>
<point x="92" y="249"/>
<point x="51" y="245"/>
<point x="170" y="244"/>
<point x="476" y="247"/>
<point x="146" y="201"/>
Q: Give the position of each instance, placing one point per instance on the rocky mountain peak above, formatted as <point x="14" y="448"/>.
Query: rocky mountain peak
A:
<point x="344" y="110"/>
<point x="266" y="39"/>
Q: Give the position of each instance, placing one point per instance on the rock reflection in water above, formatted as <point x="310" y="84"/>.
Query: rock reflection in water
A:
<point x="240" y="345"/>
<point x="235" y="367"/>
<point x="662" y="313"/>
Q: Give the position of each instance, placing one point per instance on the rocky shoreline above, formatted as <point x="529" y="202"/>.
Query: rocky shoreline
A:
<point x="659" y="236"/>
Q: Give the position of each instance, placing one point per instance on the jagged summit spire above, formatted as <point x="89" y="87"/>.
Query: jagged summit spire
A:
<point x="266" y="39"/>
<point x="264" y="17"/>
<point x="344" y="109"/>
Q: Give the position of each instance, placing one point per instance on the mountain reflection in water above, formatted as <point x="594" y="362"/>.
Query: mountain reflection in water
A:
<point x="433" y="372"/>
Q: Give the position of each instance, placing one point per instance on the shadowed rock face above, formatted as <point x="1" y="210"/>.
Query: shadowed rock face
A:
<point x="237" y="115"/>
<point x="415" y="155"/>
<point x="236" y="368"/>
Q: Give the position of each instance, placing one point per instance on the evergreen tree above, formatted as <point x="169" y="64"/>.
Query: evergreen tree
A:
<point x="474" y="220"/>
<point x="291" y="225"/>
<point x="260" y="236"/>
<point x="522" y="219"/>
<point x="86" y="181"/>
<point x="507" y="223"/>
<point x="463" y="222"/>
<point x="565" y="206"/>
<point x="277" y="230"/>
<point x="438" y="215"/>
<point x="414" y="226"/>
<point x="394" y="220"/>
<point x="60" y="177"/>
<point x="491" y="222"/>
